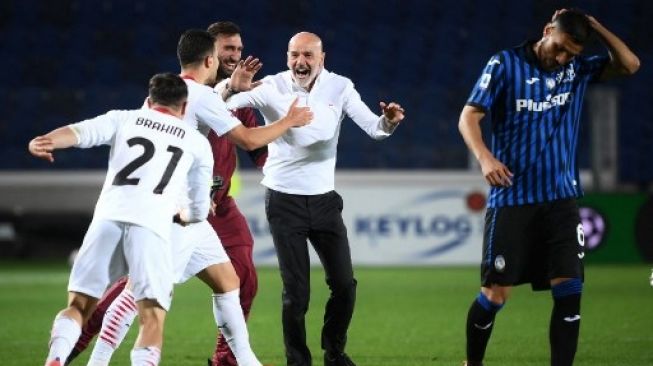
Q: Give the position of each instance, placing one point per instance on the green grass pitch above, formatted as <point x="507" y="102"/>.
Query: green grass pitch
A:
<point x="404" y="316"/>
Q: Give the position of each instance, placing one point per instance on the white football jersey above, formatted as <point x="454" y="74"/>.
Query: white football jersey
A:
<point x="206" y="108"/>
<point x="154" y="157"/>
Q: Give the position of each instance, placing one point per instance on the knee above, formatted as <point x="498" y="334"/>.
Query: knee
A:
<point x="496" y="294"/>
<point x="151" y="314"/>
<point x="296" y="300"/>
<point x="343" y="289"/>
<point x="81" y="304"/>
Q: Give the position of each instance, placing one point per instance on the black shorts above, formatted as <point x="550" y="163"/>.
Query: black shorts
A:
<point x="532" y="244"/>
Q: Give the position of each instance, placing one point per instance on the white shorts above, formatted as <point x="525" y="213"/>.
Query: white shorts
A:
<point x="113" y="249"/>
<point x="194" y="248"/>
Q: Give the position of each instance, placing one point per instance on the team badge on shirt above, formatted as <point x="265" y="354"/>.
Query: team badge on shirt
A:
<point x="499" y="263"/>
<point x="550" y="83"/>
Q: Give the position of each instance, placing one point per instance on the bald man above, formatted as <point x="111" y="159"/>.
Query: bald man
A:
<point x="301" y="202"/>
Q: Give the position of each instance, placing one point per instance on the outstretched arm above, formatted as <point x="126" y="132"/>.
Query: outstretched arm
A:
<point x="252" y="138"/>
<point x="61" y="138"/>
<point x="494" y="171"/>
<point x="622" y="60"/>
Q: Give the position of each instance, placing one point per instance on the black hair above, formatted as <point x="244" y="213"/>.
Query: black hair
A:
<point x="194" y="45"/>
<point x="574" y="22"/>
<point x="225" y="28"/>
<point x="168" y="89"/>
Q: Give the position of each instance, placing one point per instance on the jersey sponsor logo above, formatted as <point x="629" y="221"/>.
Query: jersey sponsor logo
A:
<point x="541" y="106"/>
<point x="532" y="81"/>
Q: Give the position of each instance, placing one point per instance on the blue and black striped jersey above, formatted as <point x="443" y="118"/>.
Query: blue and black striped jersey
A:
<point x="535" y="121"/>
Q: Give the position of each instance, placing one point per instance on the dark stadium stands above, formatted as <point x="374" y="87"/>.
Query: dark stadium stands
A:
<point x="68" y="60"/>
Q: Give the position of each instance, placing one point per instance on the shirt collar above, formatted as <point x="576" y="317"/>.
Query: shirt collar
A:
<point x="529" y="53"/>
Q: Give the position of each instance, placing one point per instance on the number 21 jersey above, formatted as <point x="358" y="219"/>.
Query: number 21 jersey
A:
<point x="154" y="157"/>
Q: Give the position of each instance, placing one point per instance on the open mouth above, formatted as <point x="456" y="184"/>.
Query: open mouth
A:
<point x="302" y="73"/>
<point x="230" y="65"/>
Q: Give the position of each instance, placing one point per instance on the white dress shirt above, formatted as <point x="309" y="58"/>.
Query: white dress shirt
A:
<point x="303" y="160"/>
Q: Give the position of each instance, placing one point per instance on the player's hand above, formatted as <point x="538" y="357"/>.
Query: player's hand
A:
<point x="298" y="116"/>
<point x="243" y="75"/>
<point x="42" y="148"/>
<point x="392" y="112"/>
<point x="495" y="172"/>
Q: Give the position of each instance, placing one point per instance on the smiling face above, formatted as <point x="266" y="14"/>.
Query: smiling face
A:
<point x="305" y="58"/>
<point x="556" y="49"/>
<point x="229" y="48"/>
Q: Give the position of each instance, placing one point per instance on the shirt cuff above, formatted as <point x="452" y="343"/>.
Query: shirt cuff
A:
<point x="387" y="126"/>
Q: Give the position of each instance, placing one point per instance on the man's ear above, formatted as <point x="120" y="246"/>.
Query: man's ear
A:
<point x="548" y="29"/>
<point x="208" y="61"/>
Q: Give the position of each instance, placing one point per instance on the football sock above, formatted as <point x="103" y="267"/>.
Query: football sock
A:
<point x="231" y="323"/>
<point x="93" y="325"/>
<point x="145" y="356"/>
<point x="565" y="321"/>
<point x="480" y="321"/>
<point x="65" y="332"/>
<point x="117" y="320"/>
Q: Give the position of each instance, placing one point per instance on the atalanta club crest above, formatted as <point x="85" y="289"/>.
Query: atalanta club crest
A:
<point x="499" y="263"/>
<point x="550" y="83"/>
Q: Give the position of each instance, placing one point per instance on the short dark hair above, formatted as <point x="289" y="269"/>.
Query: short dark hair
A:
<point x="168" y="89"/>
<point x="194" y="45"/>
<point x="223" y="28"/>
<point x="574" y="22"/>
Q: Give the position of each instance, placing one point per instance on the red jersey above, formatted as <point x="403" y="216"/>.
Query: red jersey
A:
<point x="224" y="165"/>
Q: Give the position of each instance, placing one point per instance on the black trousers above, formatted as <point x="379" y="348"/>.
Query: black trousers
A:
<point x="293" y="219"/>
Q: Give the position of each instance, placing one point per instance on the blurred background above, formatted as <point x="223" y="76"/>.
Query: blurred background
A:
<point x="68" y="60"/>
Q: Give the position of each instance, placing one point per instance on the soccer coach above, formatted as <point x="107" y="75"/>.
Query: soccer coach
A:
<point x="301" y="202"/>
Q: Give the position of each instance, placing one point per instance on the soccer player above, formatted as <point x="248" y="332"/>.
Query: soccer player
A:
<point x="228" y="221"/>
<point x="154" y="156"/>
<point x="301" y="203"/>
<point x="533" y="232"/>
<point x="202" y="254"/>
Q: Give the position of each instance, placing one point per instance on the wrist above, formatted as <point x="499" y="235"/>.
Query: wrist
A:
<point x="231" y="90"/>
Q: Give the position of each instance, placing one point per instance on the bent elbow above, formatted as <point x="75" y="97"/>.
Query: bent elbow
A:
<point x="634" y="65"/>
<point x="249" y="144"/>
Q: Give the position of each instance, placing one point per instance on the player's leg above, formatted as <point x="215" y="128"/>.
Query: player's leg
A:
<point x="507" y="234"/>
<point x="210" y="263"/>
<point x="228" y="314"/>
<point x="241" y="259"/>
<point x="67" y="327"/>
<point x="566" y="242"/>
<point x="92" y="327"/>
<point x="117" y="320"/>
<point x="90" y="275"/>
<point x="289" y="225"/>
<point x="480" y="320"/>
<point x="328" y="236"/>
<point x="150" y="273"/>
